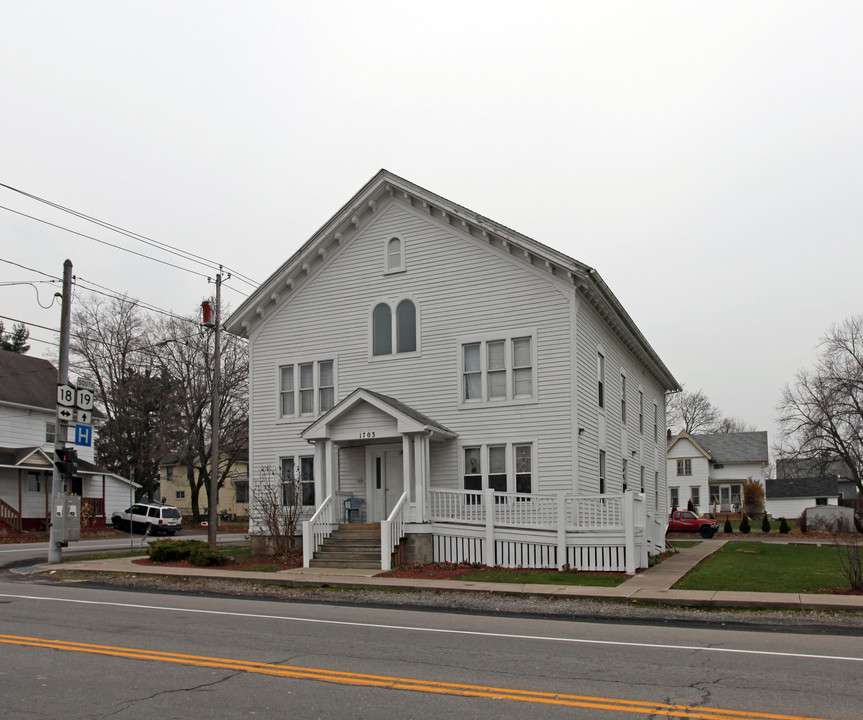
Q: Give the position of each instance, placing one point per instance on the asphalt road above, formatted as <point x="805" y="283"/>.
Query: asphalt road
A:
<point x="77" y="652"/>
<point x="17" y="553"/>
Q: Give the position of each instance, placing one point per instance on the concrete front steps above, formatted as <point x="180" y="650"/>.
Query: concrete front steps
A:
<point x="353" y="545"/>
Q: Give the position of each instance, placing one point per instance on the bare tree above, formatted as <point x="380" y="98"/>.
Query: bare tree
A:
<point x="733" y="425"/>
<point x="692" y="412"/>
<point x="821" y="412"/>
<point x="275" y="509"/>
<point x="186" y="352"/>
<point x="110" y="345"/>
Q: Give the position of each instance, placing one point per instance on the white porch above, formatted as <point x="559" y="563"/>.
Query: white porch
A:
<point x="610" y="533"/>
<point x="377" y="450"/>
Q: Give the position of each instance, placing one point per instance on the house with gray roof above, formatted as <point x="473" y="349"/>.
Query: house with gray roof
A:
<point x="709" y="470"/>
<point x="28" y="428"/>
<point x="788" y="497"/>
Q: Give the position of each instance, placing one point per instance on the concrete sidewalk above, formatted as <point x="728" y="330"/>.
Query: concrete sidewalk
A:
<point x="653" y="585"/>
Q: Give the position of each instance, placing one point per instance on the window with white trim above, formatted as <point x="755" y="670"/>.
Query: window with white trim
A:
<point x="684" y="467"/>
<point x="503" y="467"/>
<point x="50" y="432"/>
<point x="298" y="481"/>
<point x="395" y="260"/>
<point x="642" y="479"/>
<point x="623" y="399"/>
<point x="624" y="464"/>
<point x="34" y="482"/>
<point x="180" y="495"/>
<point x="602" y="472"/>
<point x="655" y="423"/>
<point x="695" y="496"/>
<point x="306" y="388"/>
<point x="401" y="335"/>
<point x="496" y="370"/>
<point x="674" y="496"/>
<point x="641" y="412"/>
<point x="600" y="379"/>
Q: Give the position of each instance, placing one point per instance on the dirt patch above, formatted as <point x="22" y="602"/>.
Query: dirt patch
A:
<point x="245" y="563"/>
<point x="432" y="571"/>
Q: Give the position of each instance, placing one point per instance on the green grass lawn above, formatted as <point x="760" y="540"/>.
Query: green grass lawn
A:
<point x="543" y="577"/>
<point x="766" y="567"/>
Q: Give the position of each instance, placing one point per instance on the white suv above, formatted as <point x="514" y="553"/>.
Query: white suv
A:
<point x="154" y="516"/>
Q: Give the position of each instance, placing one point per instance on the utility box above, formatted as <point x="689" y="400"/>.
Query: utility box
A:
<point x="66" y="516"/>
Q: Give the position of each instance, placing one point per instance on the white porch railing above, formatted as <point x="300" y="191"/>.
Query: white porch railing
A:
<point x="319" y="527"/>
<point x="392" y="531"/>
<point x="588" y="532"/>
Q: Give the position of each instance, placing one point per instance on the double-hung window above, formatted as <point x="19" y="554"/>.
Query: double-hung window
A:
<point x="623" y="399"/>
<point x="298" y="481"/>
<point x="498" y="370"/>
<point x="503" y="467"/>
<point x="600" y="379"/>
<point x="684" y="467"/>
<point x="306" y="388"/>
<point x="50" y="432"/>
<point x="641" y="412"/>
<point x="602" y="472"/>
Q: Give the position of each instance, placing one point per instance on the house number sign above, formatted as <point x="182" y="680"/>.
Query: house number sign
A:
<point x="366" y="434"/>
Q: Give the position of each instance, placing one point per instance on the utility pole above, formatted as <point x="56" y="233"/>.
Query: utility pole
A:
<point x="213" y="514"/>
<point x="55" y="547"/>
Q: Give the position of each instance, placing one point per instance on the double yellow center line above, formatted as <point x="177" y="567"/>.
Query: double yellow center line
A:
<point x="397" y="683"/>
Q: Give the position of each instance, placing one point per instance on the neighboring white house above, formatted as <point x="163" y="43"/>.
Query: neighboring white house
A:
<point x="711" y="469"/>
<point x="789" y="497"/>
<point x="419" y="357"/>
<point x="28" y="397"/>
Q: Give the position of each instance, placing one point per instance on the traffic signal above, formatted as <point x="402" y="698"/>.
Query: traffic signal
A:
<point x="67" y="461"/>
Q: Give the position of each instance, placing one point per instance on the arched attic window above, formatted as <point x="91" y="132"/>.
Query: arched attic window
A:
<point x="395" y="261"/>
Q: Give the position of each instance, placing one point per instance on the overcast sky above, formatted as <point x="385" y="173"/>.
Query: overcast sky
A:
<point x="705" y="157"/>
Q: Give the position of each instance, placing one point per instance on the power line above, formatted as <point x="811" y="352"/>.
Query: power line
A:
<point x="104" y="242"/>
<point x="133" y="235"/>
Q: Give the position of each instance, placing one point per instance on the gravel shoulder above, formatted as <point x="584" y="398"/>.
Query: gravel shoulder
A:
<point x="487" y="603"/>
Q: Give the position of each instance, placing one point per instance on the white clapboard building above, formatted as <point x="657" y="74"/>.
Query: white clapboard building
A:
<point x="478" y="395"/>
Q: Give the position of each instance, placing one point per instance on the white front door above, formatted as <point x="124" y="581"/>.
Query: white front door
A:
<point x="387" y="478"/>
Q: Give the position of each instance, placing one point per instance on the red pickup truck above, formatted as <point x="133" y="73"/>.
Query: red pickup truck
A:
<point x="688" y="521"/>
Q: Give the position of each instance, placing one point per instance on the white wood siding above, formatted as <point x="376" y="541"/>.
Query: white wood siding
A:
<point x="22" y="427"/>
<point x="790" y="508"/>
<point x="460" y="286"/>
<point x="603" y="428"/>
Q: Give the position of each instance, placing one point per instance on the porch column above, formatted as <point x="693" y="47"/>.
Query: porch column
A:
<point x="422" y="469"/>
<point x="408" y="472"/>
<point x="332" y="467"/>
<point x="320" y="473"/>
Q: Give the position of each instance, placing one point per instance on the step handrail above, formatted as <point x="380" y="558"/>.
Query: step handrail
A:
<point x="392" y="531"/>
<point x="317" y="528"/>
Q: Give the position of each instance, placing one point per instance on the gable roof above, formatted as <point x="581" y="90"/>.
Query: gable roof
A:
<point x="33" y="457"/>
<point x="727" y="447"/>
<point x="685" y="435"/>
<point x="409" y="420"/>
<point x="735" y="447"/>
<point x="802" y="487"/>
<point x="385" y="186"/>
<point x="26" y="380"/>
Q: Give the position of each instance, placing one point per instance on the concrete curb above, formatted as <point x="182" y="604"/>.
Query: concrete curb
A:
<point x="651" y="586"/>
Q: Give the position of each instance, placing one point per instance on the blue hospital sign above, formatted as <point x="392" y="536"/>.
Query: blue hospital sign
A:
<point x="84" y="435"/>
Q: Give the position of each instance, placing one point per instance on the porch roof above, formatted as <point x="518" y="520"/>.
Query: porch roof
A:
<point x="407" y="419"/>
<point x="28" y="458"/>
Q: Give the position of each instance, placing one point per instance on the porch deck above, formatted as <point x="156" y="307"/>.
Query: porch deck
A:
<point x="587" y="532"/>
